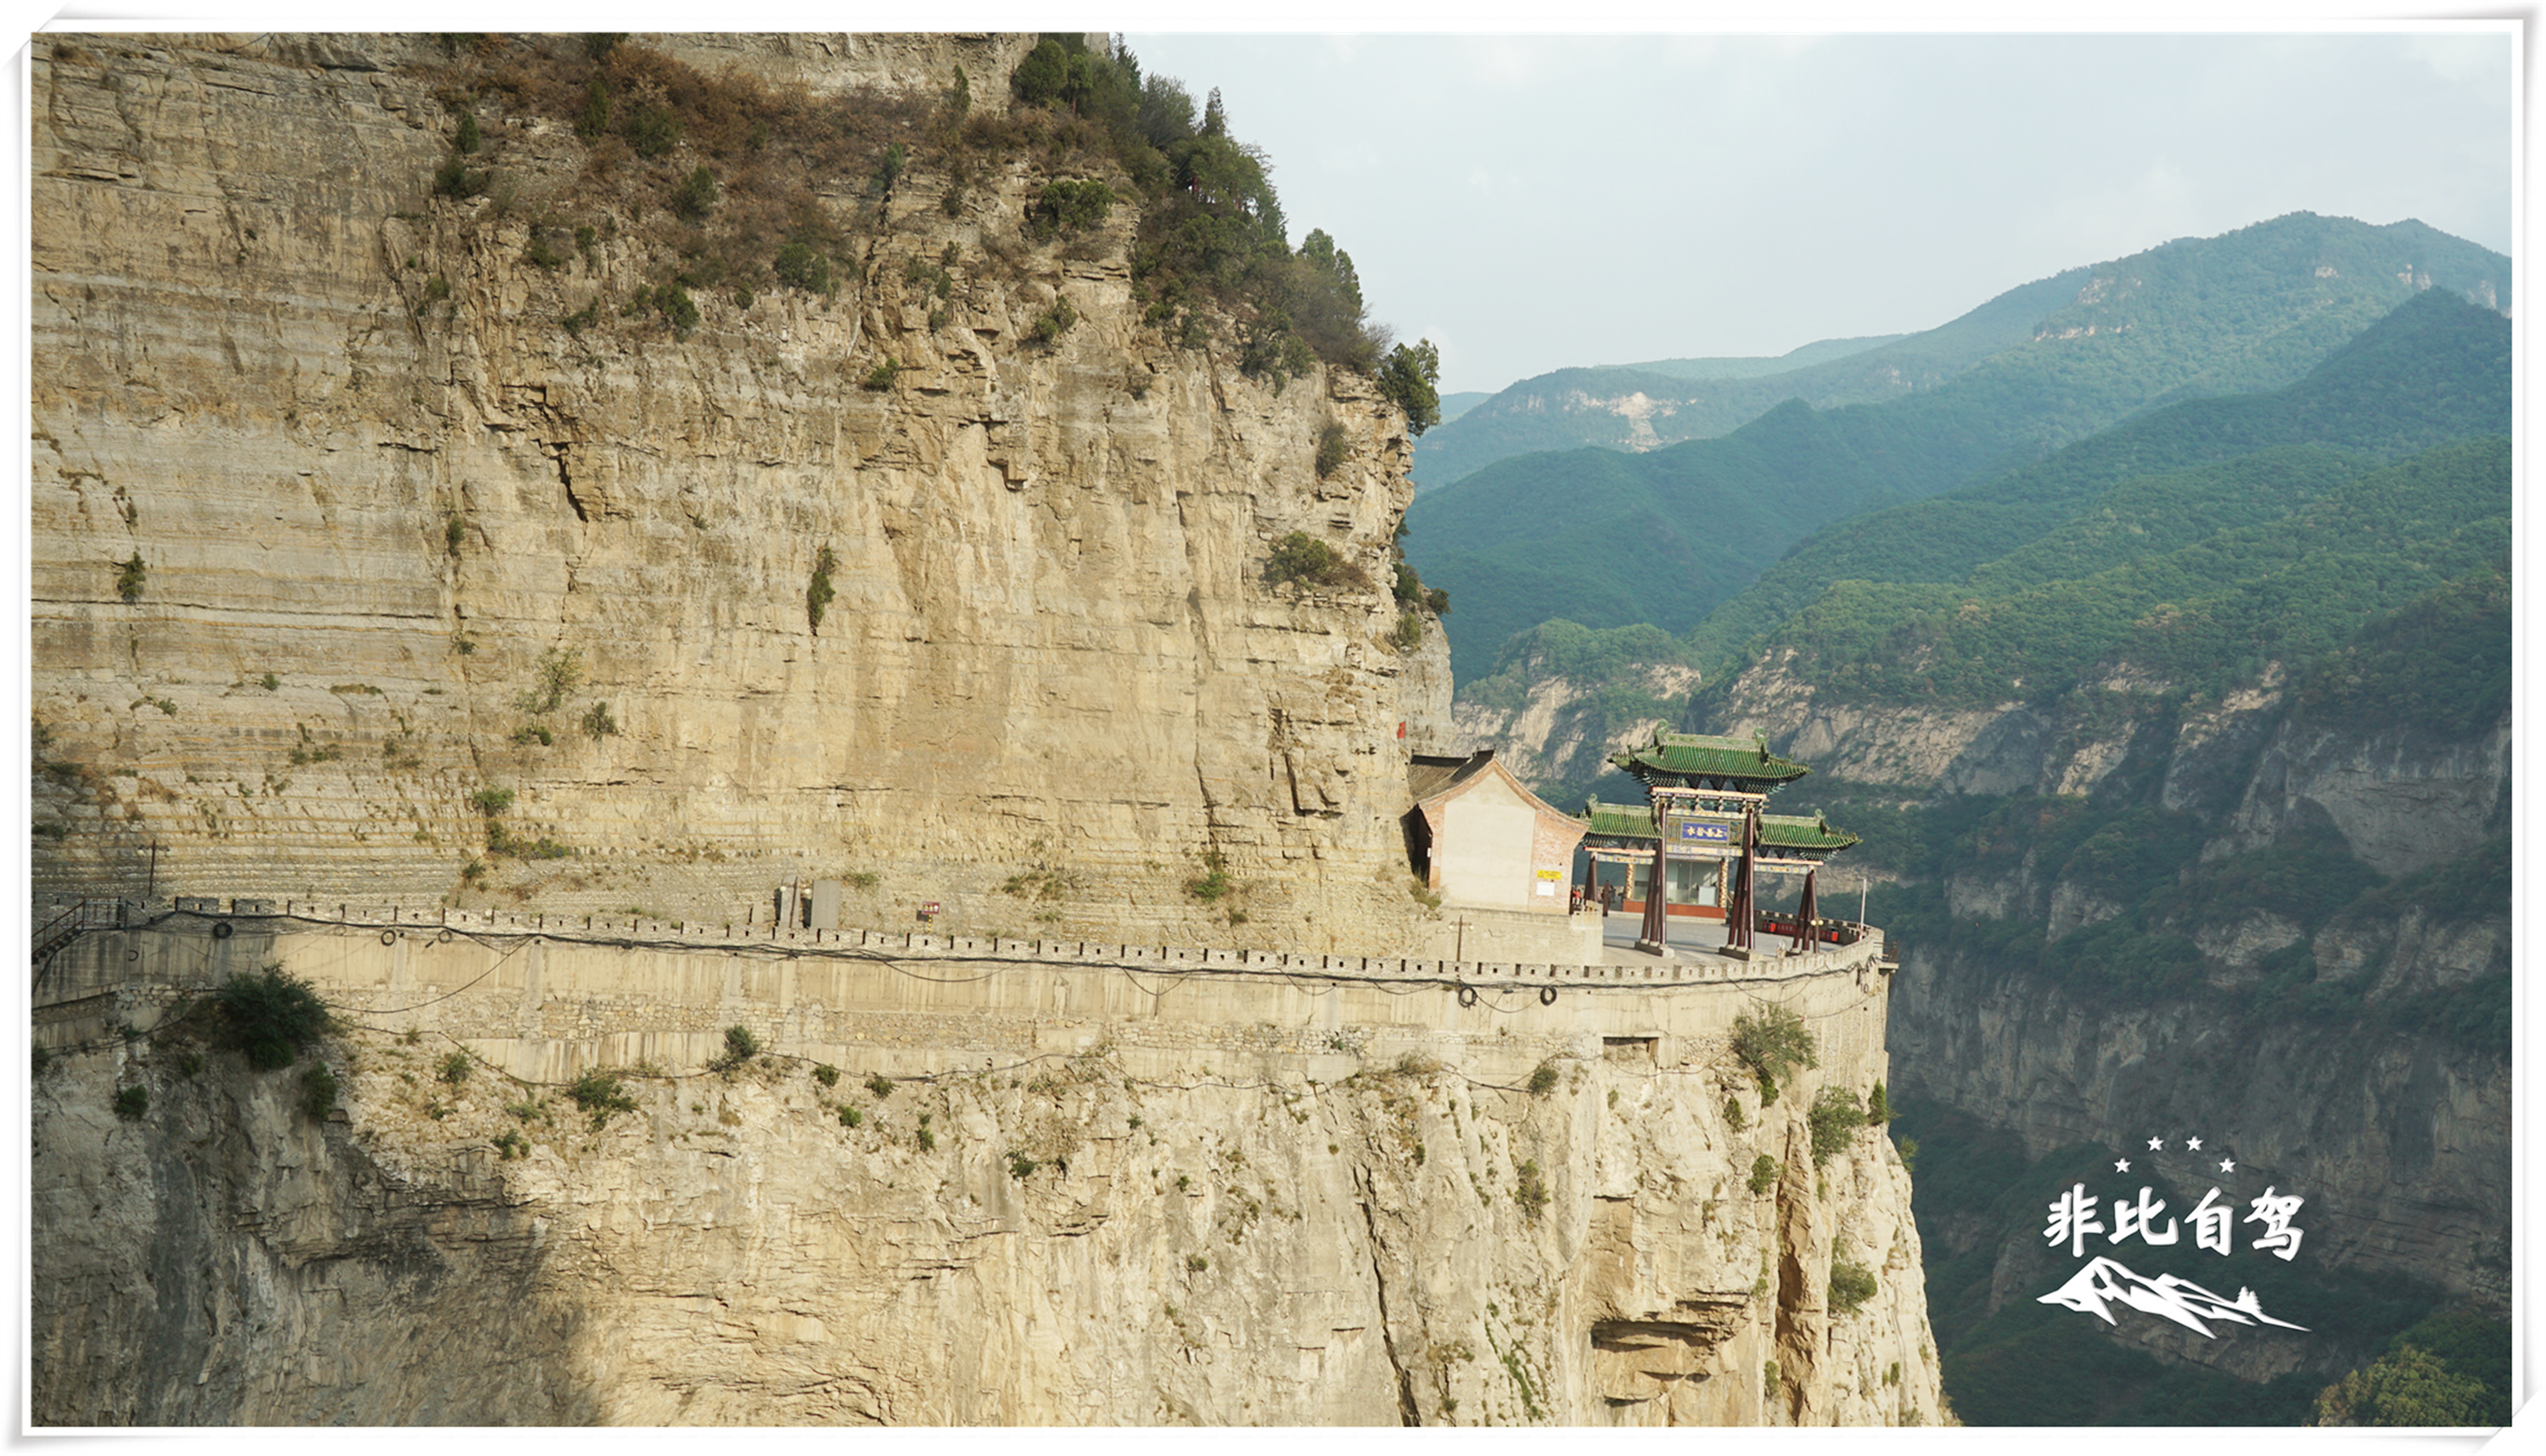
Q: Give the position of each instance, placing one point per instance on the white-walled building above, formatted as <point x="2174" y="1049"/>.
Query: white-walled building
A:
<point x="1479" y="838"/>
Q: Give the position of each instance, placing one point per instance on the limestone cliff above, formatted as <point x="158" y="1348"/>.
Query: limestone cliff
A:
<point x="357" y="498"/>
<point x="2289" y="924"/>
<point x="2406" y="1135"/>
<point x="1562" y="698"/>
<point x="1057" y="1186"/>
<point x="419" y="517"/>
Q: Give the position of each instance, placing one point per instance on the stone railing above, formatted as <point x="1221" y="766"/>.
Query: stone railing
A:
<point x="225" y="918"/>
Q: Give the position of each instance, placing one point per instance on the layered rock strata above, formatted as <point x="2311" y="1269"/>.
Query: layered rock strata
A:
<point x="2399" y="1134"/>
<point x="950" y="1191"/>
<point x="327" y="501"/>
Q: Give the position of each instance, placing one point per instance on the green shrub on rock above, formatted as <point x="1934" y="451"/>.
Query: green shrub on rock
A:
<point x="741" y="1046"/>
<point x="696" y="195"/>
<point x="601" y="1092"/>
<point x="1835" y="1119"/>
<point x="1069" y="206"/>
<point x="654" y="131"/>
<point x="271" y="1015"/>
<point x="1851" y="1285"/>
<point x="799" y="265"/>
<point x="1304" y="559"/>
<point x="1334" y="447"/>
<point x="1773" y="1045"/>
<point x="318" y="1089"/>
<point x="1763" y="1174"/>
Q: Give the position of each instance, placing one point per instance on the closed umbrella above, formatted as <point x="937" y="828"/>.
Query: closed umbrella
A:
<point x="1806" y="913"/>
<point x="1656" y="913"/>
<point x="1739" y="914"/>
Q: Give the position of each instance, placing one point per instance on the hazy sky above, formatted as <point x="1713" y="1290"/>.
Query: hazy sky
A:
<point x="1531" y="202"/>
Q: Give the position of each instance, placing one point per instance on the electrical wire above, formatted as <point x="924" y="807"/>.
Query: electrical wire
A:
<point x="512" y="942"/>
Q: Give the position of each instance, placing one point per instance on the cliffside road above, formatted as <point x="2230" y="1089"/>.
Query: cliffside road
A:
<point x="966" y="1186"/>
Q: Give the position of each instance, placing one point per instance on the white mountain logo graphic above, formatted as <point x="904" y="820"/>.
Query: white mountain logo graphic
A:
<point x="2186" y="1303"/>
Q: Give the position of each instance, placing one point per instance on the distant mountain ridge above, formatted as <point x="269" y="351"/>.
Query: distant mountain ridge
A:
<point x="1752" y="367"/>
<point x="1642" y="407"/>
<point x="2349" y="492"/>
<point x="1662" y="402"/>
<point x="1606" y="538"/>
<point x="2433" y="371"/>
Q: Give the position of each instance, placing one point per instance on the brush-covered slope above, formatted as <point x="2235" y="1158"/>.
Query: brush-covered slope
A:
<point x="1607" y="539"/>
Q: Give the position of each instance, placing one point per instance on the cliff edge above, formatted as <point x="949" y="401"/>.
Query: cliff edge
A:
<point x="432" y="498"/>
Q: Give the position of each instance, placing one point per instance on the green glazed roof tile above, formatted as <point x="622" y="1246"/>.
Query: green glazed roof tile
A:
<point x="1702" y="753"/>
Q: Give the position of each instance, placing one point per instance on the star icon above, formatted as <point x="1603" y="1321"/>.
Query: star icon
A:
<point x="2121" y="1166"/>
<point x="2156" y="1143"/>
<point x="2227" y="1164"/>
<point x="2194" y="1143"/>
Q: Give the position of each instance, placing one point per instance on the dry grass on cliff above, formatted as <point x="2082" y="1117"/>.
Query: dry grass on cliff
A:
<point x="738" y="122"/>
<point x="782" y="158"/>
<point x="647" y="122"/>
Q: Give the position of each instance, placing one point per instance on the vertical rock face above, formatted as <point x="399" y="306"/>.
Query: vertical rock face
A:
<point x="403" y="535"/>
<point x="1020" y="1198"/>
<point x="353" y="556"/>
<point x="1562" y="698"/>
<point x="2399" y="1131"/>
<point x="2342" y="1030"/>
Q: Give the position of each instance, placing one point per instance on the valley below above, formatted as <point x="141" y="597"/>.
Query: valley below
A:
<point x="513" y="515"/>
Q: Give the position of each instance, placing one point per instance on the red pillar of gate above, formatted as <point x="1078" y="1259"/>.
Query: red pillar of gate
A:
<point x="1738" y="916"/>
<point x="1657" y="898"/>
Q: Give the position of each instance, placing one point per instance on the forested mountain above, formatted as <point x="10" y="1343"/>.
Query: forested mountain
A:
<point x="1750" y="367"/>
<point x="2254" y="880"/>
<point x="2182" y="759"/>
<point x="1646" y="406"/>
<point x="2436" y="370"/>
<point x="2164" y="663"/>
<point x="1606" y="539"/>
<point x="1642" y="406"/>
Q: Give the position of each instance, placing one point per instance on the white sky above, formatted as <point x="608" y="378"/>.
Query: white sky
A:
<point x="1531" y="202"/>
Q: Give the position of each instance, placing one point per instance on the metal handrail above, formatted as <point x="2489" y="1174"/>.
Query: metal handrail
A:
<point x="85" y="914"/>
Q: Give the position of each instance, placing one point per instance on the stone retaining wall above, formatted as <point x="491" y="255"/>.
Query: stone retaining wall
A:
<point x="546" y="998"/>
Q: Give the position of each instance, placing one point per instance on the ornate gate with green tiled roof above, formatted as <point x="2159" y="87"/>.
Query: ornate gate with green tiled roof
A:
<point x="1699" y="787"/>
